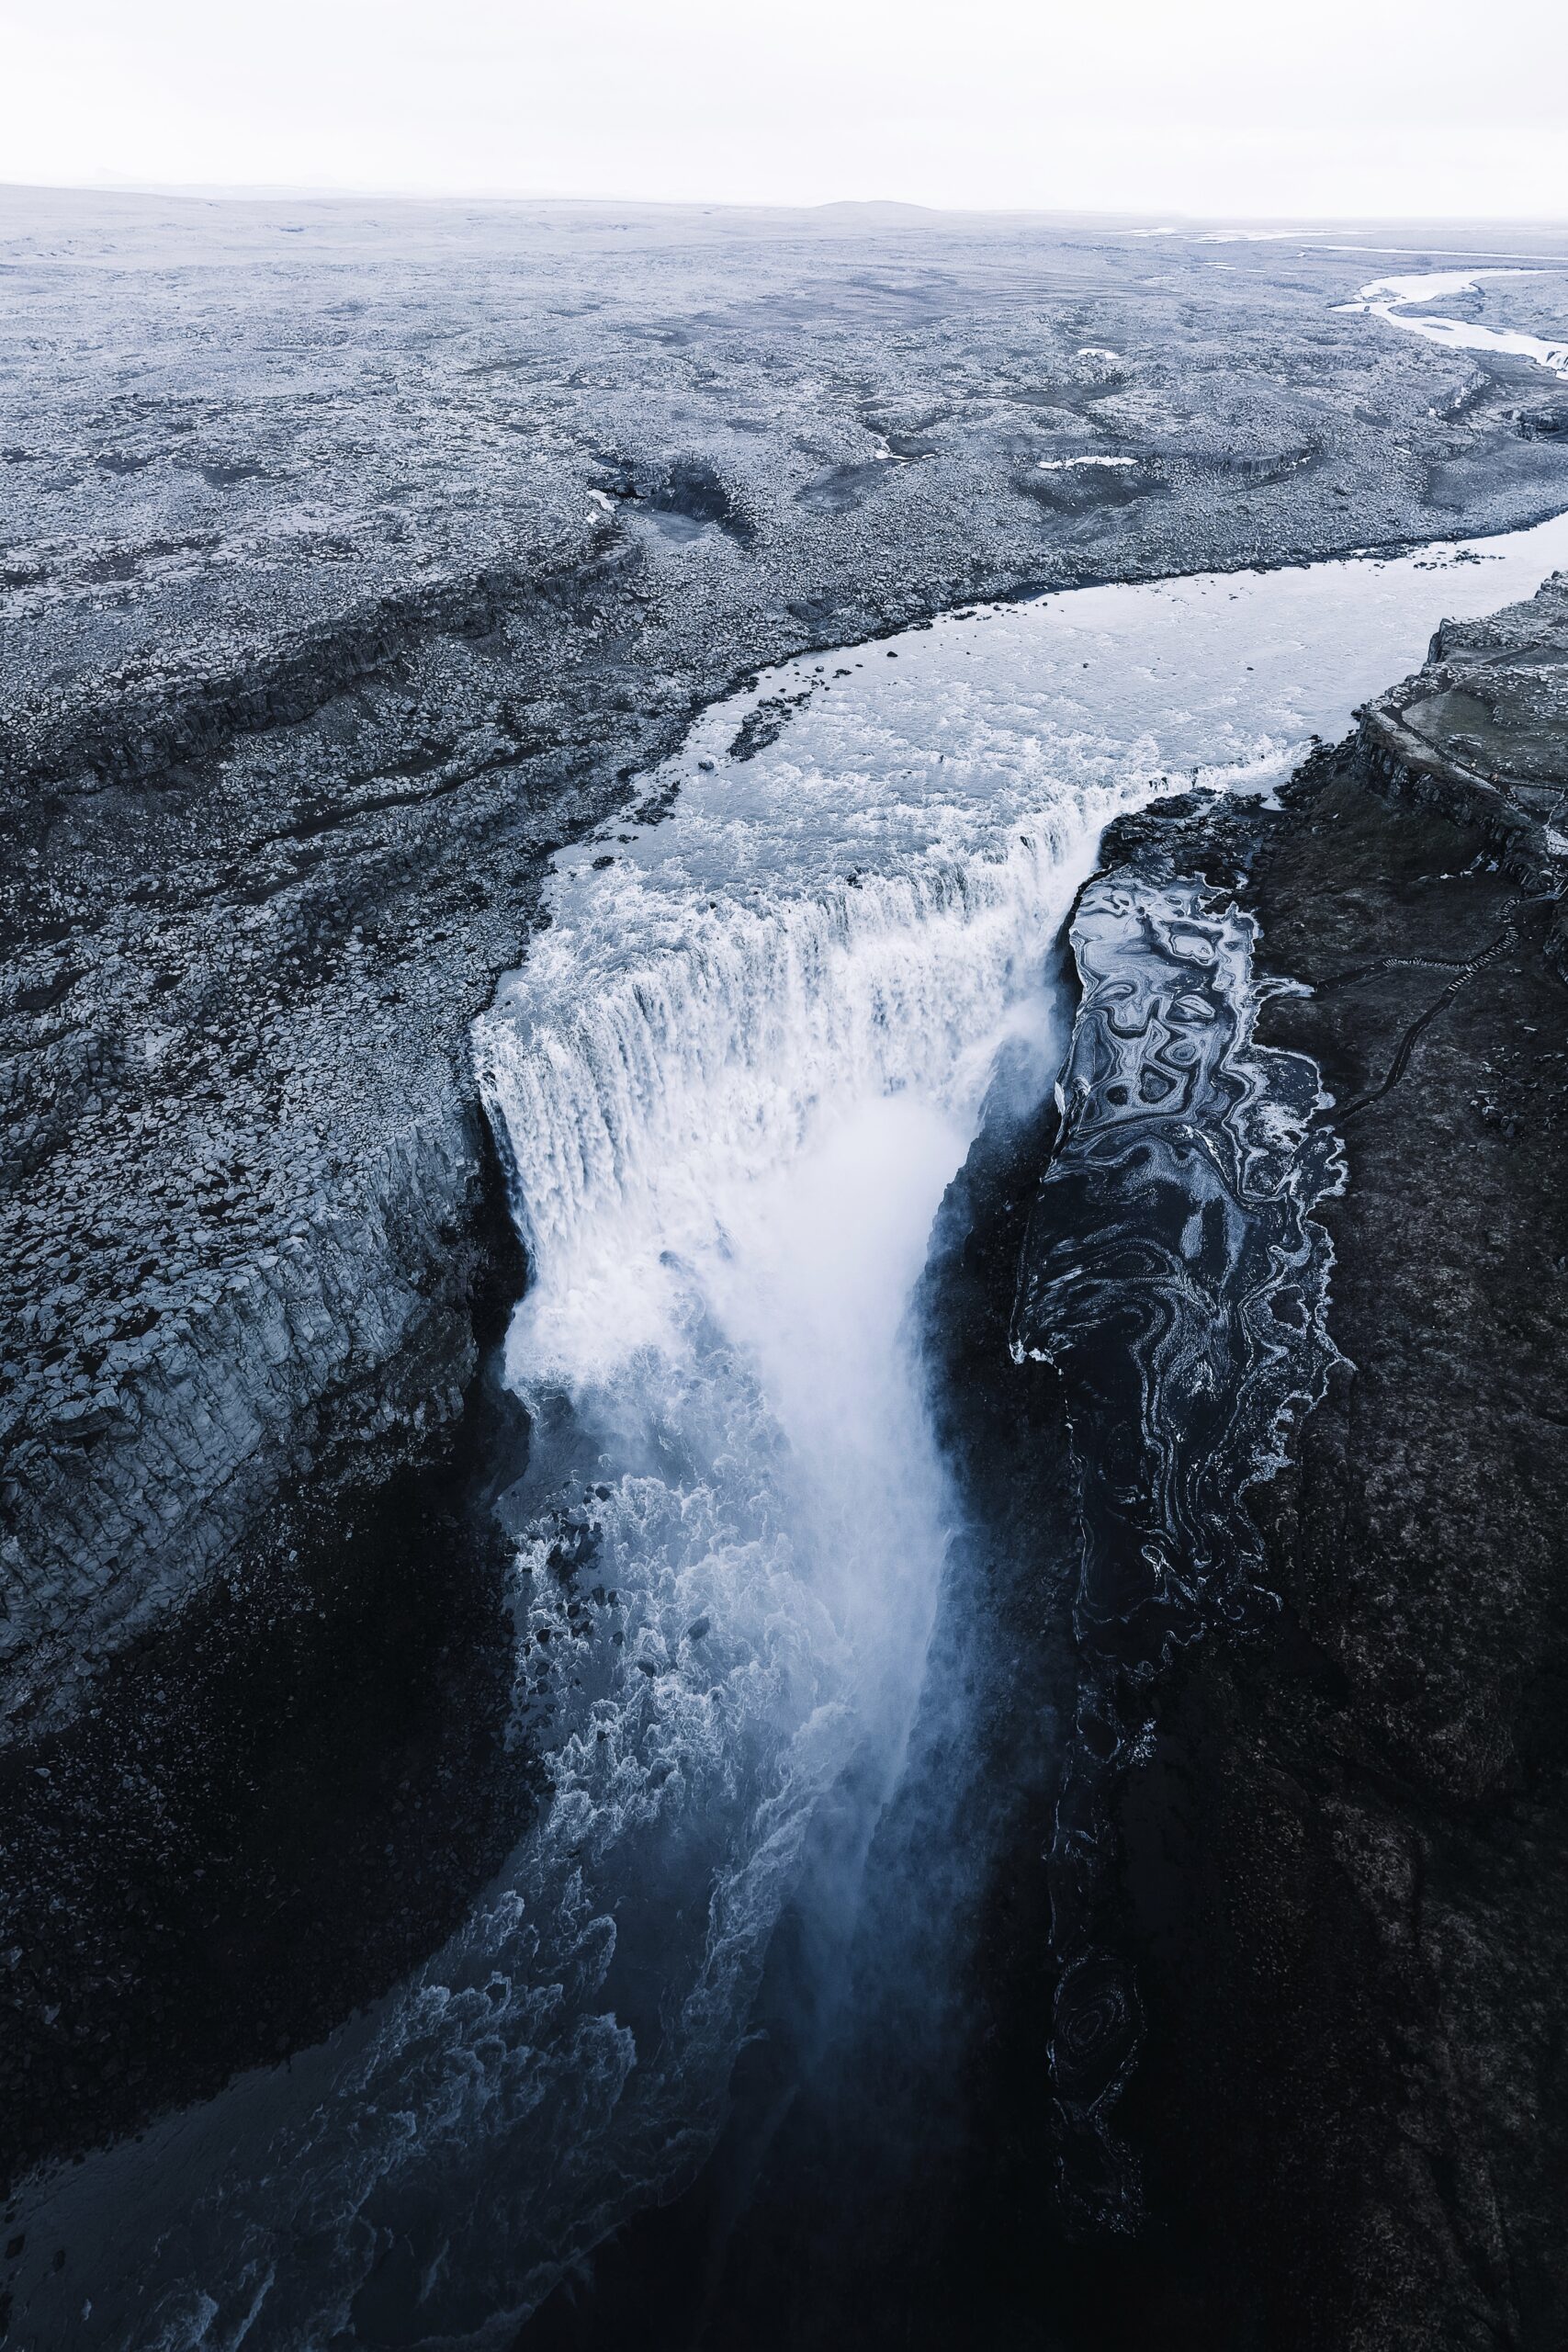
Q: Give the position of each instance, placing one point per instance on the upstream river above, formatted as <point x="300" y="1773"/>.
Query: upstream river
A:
<point x="1401" y="301"/>
<point x="732" y="1081"/>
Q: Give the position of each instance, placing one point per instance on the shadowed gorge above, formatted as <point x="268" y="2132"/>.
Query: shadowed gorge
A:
<point x="783" y="1044"/>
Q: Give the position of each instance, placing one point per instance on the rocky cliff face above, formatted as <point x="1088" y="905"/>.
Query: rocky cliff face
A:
<point x="1331" y="1864"/>
<point x="1174" y="1278"/>
<point x="1479" y="732"/>
<point x="247" y="1170"/>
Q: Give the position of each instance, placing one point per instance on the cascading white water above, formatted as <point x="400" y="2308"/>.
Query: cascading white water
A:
<point x="637" y="1120"/>
<point x="733" y="1077"/>
<point x="726" y="1161"/>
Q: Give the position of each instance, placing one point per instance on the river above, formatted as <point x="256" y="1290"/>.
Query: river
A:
<point x="1401" y="302"/>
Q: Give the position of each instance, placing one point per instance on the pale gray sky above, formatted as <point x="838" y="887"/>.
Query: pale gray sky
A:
<point x="1237" y="107"/>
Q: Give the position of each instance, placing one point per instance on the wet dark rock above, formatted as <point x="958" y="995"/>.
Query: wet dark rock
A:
<point x="1352" y="1964"/>
<point x="1480" y="732"/>
<point x="1337" y="1881"/>
<point x="282" y="1794"/>
<point x="274" y="1805"/>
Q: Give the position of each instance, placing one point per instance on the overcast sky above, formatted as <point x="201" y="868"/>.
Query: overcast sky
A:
<point x="1234" y="107"/>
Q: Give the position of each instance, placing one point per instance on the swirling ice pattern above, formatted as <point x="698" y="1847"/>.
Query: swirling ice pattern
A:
<point x="1175" y="1274"/>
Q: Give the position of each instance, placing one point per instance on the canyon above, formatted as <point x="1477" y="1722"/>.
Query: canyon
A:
<point x="486" y="921"/>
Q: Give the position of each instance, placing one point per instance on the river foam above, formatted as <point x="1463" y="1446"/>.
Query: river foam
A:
<point x="732" y="1079"/>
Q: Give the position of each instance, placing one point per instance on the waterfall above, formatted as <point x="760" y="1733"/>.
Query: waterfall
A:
<point x="725" y="1163"/>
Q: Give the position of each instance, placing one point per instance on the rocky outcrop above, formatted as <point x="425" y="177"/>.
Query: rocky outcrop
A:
<point x="1480" y="732"/>
<point x="1350" y="1857"/>
<point x="241" y="1382"/>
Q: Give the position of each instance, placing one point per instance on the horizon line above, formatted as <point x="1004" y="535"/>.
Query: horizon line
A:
<point x="261" y="191"/>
